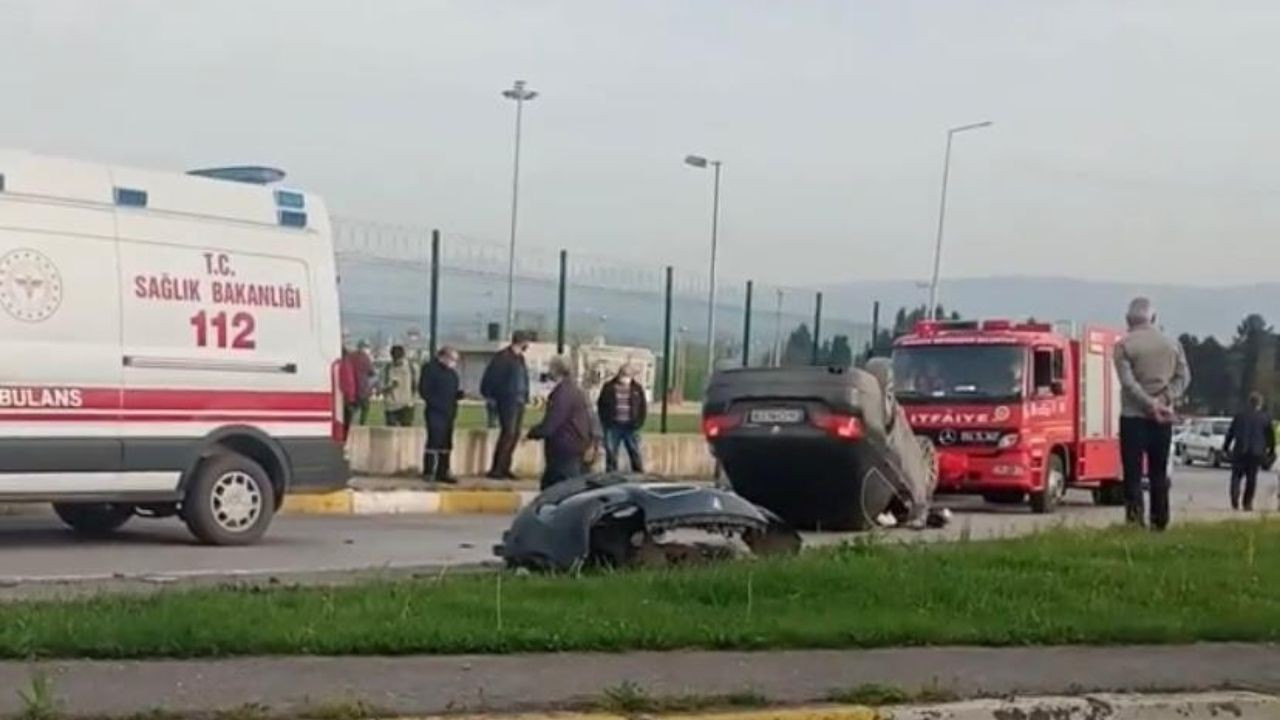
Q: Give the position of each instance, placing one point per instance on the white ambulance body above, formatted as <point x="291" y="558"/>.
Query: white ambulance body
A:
<point x="168" y="346"/>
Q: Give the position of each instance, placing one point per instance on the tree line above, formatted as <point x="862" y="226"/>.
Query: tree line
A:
<point x="1223" y="376"/>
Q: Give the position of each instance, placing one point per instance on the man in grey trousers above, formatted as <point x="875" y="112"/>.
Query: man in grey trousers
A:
<point x="1153" y="376"/>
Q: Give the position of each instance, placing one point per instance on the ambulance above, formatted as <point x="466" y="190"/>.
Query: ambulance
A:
<point x="168" y="345"/>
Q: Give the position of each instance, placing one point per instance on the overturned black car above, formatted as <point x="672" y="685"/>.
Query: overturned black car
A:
<point x="628" y="520"/>
<point x="823" y="447"/>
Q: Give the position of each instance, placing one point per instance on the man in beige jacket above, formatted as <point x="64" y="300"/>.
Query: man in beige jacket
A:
<point x="1153" y="376"/>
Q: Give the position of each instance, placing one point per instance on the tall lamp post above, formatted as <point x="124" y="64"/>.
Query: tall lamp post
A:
<point x="932" y="310"/>
<point x="521" y="95"/>
<point x="701" y="162"/>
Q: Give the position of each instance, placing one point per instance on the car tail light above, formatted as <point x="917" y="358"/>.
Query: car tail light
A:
<point x="337" y="429"/>
<point x="845" y="427"/>
<point x="715" y="425"/>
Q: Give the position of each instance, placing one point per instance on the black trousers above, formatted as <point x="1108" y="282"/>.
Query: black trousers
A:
<point x="510" y="418"/>
<point x="560" y="467"/>
<point x="1244" y="468"/>
<point x="1144" y="439"/>
<point x="435" y="459"/>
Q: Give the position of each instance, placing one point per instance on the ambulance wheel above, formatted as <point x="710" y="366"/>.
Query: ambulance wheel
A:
<point x="1055" y="487"/>
<point x="230" y="501"/>
<point x="93" y="519"/>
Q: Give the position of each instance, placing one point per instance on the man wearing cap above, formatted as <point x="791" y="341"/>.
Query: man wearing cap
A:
<point x="567" y="430"/>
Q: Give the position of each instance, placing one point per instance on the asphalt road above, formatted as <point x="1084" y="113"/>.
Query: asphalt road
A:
<point x="36" y="551"/>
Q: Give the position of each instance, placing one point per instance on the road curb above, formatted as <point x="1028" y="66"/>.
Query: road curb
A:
<point x="1184" y="706"/>
<point x="408" y="502"/>
<point x="1189" y="706"/>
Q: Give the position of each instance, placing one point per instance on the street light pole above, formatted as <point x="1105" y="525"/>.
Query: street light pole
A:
<point x="932" y="310"/>
<point x="521" y="95"/>
<point x="777" y="332"/>
<point x="701" y="162"/>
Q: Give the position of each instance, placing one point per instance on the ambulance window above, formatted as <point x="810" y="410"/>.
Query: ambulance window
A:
<point x="292" y="218"/>
<point x="289" y="199"/>
<point x="131" y="198"/>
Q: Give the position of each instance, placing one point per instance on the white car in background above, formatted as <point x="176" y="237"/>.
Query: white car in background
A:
<point x="1203" y="441"/>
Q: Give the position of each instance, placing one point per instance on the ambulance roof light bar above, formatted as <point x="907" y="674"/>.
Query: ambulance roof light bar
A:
<point x="251" y="174"/>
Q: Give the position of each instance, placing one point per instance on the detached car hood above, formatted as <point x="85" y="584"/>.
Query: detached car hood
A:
<point x="607" y="518"/>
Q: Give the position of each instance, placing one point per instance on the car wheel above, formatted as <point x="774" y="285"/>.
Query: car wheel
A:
<point x="1217" y="459"/>
<point x="1055" y="487"/>
<point x="1185" y="456"/>
<point x="230" y="501"/>
<point x="93" y="519"/>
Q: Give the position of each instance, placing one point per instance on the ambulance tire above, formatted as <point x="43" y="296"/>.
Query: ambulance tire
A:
<point x="1046" y="501"/>
<point x="93" y="519"/>
<point x="230" y="500"/>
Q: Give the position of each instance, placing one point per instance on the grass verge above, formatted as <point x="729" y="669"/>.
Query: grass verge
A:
<point x="1195" y="583"/>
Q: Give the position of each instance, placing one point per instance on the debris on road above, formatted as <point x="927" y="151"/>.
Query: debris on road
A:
<point x="629" y="520"/>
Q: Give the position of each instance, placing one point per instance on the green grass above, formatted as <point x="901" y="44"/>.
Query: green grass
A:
<point x="1194" y="583"/>
<point x="472" y="417"/>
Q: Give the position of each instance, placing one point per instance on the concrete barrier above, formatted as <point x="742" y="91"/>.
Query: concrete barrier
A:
<point x="398" y="451"/>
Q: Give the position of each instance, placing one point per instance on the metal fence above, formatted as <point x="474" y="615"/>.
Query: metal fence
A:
<point x="384" y="282"/>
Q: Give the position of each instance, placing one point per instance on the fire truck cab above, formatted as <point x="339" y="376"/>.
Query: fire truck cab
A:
<point x="1018" y="411"/>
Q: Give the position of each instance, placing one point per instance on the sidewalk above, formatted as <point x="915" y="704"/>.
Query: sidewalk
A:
<point x="404" y="495"/>
<point x="421" y="685"/>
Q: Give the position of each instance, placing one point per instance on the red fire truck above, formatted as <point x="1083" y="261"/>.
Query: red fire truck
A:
<point x="1018" y="411"/>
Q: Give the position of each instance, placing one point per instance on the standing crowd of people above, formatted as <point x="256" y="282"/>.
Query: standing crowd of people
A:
<point x="1151" y="368"/>
<point x="570" y="430"/>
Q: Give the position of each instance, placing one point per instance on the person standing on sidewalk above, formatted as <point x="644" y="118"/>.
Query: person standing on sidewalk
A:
<point x="441" y="389"/>
<point x="398" y="387"/>
<point x="1153" y="376"/>
<point x="567" y="430"/>
<point x="1251" y="444"/>
<point x="505" y="384"/>
<point x="622" y="408"/>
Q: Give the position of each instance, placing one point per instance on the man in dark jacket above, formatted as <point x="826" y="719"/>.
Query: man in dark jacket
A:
<point x="566" y="431"/>
<point x="1250" y="442"/>
<point x="505" y="385"/>
<point x="622" y="408"/>
<point x="440" y="388"/>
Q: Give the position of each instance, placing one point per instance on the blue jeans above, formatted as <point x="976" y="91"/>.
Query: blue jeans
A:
<point x="628" y="438"/>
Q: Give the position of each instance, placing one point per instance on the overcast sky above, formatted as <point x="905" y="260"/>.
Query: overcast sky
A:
<point x="1132" y="140"/>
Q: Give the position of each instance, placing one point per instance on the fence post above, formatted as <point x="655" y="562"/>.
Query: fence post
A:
<point x="746" y="328"/>
<point x="434" y="321"/>
<point x="666" y="352"/>
<point x="875" y="329"/>
<point x="817" y="328"/>
<point x="560" y="308"/>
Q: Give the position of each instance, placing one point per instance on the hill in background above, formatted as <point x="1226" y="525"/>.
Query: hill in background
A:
<point x="1181" y="308"/>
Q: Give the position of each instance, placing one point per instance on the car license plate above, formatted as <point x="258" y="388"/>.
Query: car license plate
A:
<point x="776" y="416"/>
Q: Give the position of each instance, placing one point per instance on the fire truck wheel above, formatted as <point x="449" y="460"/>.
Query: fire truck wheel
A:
<point x="1055" y="486"/>
<point x="1008" y="497"/>
<point x="93" y="519"/>
<point x="1110" y="494"/>
<point x="230" y="501"/>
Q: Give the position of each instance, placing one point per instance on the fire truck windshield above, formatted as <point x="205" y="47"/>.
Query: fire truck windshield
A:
<point x="959" y="372"/>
